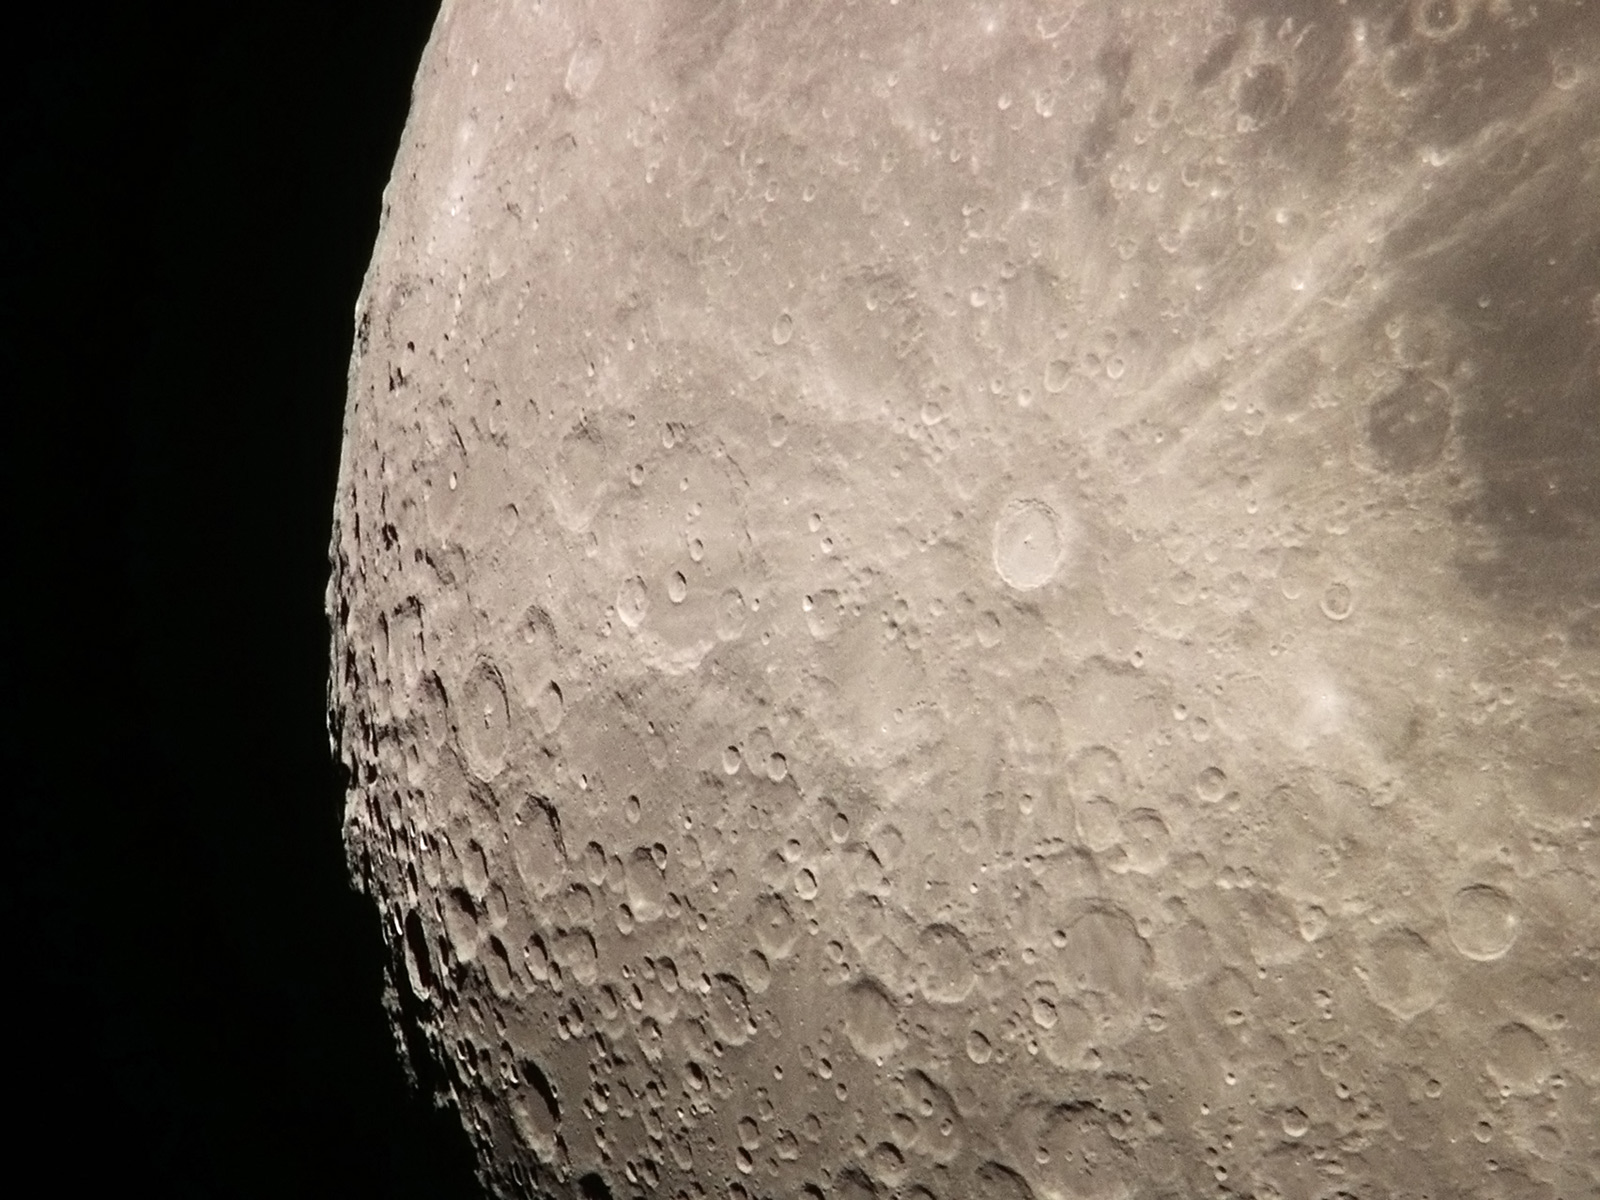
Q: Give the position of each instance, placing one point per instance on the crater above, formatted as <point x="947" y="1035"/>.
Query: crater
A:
<point x="1029" y="544"/>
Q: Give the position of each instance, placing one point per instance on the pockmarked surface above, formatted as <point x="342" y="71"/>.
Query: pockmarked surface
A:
<point x="987" y="600"/>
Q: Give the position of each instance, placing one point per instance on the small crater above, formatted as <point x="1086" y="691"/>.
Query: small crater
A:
<point x="1028" y="544"/>
<point x="419" y="962"/>
<point x="979" y="1051"/>
<point x="824" y="614"/>
<point x="730" y="616"/>
<point x="1102" y="953"/>
<point x="1211" y="785"/>
<point x="1403" y="974"/>
<point x="632" y="602"/>
<point x="756" y="972"/>
<point x="1337" y="601"/>
<point x="646" y="887"/>
<point x="1438" y="19"/>
<point x="583" y="69"/>
<point x="1098" y="826"/>
<point x="944" y="966"/>
<point x="536" y="847"/>
<point x="728" y="1011"/>
<point x="870" y="1020"/>
<point x="485" y="720"/>
<point x="1056" y="374"/>
<point x="1096" y="771"/>
<point x="1262" y="95"/>
<point x="548" y="707"/>
<point x="1148" y="841"/>
<point x="497" y="965"/>
<point x="461" y="923"/>
<point x="1483" y="922"/>
<point x="775" y="927"/>
<point x="1409" y="426"/>
<point x="1519" y="1060"/>
<point x="535" y="1111"/>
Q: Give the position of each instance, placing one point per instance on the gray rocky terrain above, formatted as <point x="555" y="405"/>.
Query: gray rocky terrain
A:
<point x="988" y="601"/>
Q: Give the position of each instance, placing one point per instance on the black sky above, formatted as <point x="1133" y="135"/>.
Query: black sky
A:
<point x="190" y="204"/>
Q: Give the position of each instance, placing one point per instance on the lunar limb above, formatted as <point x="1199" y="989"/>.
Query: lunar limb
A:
<point x="987" y="600"/>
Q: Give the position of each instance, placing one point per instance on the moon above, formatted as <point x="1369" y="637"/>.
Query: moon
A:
<point x="937" y="601"/>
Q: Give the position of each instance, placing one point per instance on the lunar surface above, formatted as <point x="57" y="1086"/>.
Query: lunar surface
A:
<point x="987" y="601"/>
